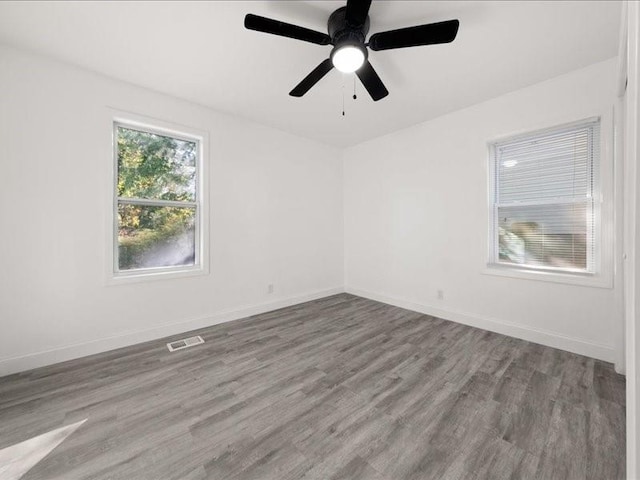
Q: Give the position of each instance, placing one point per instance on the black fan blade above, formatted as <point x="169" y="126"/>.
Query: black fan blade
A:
<point x="275" y="27"/>
<point x="372" y="82"/>
<point x="357" y="11"/>
<point x="314" y="77"/>
<point x="431" y="34"/>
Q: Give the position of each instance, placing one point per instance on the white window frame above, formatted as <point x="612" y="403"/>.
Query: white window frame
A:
<point x="159" y="127"/>
<point x="603" y="204"/>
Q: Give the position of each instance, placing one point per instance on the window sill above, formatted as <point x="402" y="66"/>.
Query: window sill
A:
<point x="578" y="279"/>
<point x="151" y="275"/>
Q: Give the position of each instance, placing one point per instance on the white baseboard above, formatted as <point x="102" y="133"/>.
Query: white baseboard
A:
<point x="543" y="337"/>
<point x="70" y="352"/>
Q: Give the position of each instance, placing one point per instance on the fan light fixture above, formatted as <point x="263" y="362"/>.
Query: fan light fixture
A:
<point x="348" y="59"/>
<point x="347" y="30"/>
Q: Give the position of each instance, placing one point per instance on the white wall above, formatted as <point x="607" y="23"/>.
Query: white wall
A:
<point x="416" y="219"/>
<point x="411" y="199"/>
<point x="275" y="217"/>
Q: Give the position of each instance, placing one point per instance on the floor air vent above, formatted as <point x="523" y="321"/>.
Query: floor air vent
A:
<point x="184" y="343"/>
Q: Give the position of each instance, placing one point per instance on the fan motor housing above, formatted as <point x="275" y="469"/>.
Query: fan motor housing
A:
<point x="341" y="32"/>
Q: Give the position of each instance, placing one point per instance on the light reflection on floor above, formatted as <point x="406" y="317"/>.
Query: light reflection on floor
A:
<point x="18" y="459"/>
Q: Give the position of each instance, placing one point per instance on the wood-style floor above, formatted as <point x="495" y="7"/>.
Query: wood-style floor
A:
<point x="338" y="388"/>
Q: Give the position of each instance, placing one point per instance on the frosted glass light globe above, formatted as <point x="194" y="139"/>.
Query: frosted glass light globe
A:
<point x="348" y="59"/>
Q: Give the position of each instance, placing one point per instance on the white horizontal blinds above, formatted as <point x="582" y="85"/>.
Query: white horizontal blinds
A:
<point x="544" y="198"/>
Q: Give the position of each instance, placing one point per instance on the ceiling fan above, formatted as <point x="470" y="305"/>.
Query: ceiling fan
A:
<point x="348" y="27"/>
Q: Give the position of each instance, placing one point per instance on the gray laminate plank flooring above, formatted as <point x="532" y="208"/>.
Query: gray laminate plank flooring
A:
<point x="337" y="388"/>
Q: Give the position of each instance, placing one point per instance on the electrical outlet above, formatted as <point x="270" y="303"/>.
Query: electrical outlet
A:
<point x="440" y="294"/>
<point x="270" y="288"/>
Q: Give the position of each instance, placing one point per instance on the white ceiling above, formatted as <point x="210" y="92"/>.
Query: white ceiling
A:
<point x="201" y="52"/>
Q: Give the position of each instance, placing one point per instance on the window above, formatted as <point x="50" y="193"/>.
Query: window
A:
<point x="545" y="197"/>
<point x="157" y="204"/>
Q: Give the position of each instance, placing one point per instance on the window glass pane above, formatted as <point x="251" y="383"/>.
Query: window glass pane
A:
<point x="155" y="166"/>
<point x="151" y="236"/>
<point x="553" y="235"/>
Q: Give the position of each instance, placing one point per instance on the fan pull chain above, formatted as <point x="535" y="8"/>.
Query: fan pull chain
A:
<point x="343" y="97"/>
<point x="354" y="88"/>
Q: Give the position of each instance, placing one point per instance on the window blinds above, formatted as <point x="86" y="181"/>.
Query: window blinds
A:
<point x="544" y="189"/>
